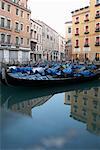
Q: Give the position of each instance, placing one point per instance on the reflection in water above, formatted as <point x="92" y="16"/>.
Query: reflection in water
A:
<point x="85" y="107"/>
<point x="25" y="107"/>
<point x="22" y="100"/>
<point x="47" y="127"/>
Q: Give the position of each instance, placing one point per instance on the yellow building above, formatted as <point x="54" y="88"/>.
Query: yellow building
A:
<point x="85" y="107"/>
<point x="86" y="32"/>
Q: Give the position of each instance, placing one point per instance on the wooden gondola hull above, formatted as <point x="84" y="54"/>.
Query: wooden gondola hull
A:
<point x="36" y="83"/>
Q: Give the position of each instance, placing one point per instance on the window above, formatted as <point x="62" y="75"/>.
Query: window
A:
<point x="86" y="42"/>
<point x="8" y="8"/>
<point x="97" y="56"/>
<point x="40" y="38"/>
<point x="16" y="28"/>
<point x="77" y="31"/>
<point x="21" y="40"/>
<point x="21" y="13"/>
<point x="68" y="97"/>
<point x="2" y="38"/>
<point x="84" y="112"/>
<point x="21" y="28"/>
<point x="27" y="41"/>
<point x="77" y="20"/>
<point x="17" y="40"/>
<point x="97" y="14"/>
<point x="97" y="41"/>
<point x="51" y="38"/>
<point x="75" y="108"/>
<point x="3" y="5"/>
<point x="97" y="1"/>
<point x="77" y="43"/>
<point x="37" y="47"/>
<point x="8" y="39"/>
<point x="97" y="27"/>
<point x="85" y="91"/>
<point x="37" y="37"/>
<point x="69" y="30"/>
<point x="47" y="36"/>
<point x="27" y="28"/>
<point x="86" y="17"/>
<point x="86" y="29"/>
<point x="2" y="22"/>
<point x="17" y="11"/>
<point x="28" y="15"/>
<point x="75" y="98"/>
<point x="8" y="23"/>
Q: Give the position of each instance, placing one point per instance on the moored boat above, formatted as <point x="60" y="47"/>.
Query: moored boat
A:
<point x="57" y="75"/>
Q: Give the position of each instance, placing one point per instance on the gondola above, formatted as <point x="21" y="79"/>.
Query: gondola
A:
<point x="47" y="80"/>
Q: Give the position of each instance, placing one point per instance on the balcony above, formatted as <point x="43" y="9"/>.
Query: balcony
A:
<point x="5" y="44"/>
<point x="34" y="40"/>
<point x="86" y="45"/>
<point x="97" y="44"/>
<point x="97" y="30"/>
<point x="5" y="27"/>
<point x="17" y="30"/>
<point x="76" y="46"/>
<point x="97" y="16"/>
<point x="77" y="22"/>
<point x="86" y="32"/>
<point x="76" y="34"/>
<point x="86" y="20"/>
<point x="17" y="45"/>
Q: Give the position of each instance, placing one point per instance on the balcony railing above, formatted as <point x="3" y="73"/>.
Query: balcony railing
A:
<point x="77" y="22"/>
<point x="5" y="27"/>
<point x="17" y="30"/>
<point x="76" y="46"/>
<point x="34" y="40"/>
<point x="97" y="16"/>
<point x="86" y="20"/>
<point x="17" y="45"/>
<point x="86" y="32"/>
<point x="97" y="44"/>
<point x="76" y="34"/>
<point x="97" y="30"/>
<point x="7" y="44"/>
<point x="86" y="45"/>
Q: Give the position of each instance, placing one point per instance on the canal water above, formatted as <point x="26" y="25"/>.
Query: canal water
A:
<point x="53" y="118"/>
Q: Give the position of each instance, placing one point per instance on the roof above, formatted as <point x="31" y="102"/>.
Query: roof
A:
<point x="68" y="22"/>
<point x="86" y="7"/>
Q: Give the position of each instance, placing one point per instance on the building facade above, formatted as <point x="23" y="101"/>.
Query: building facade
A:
<point x="52" y="43"/>
<point x="36" y="41"/>
<point x="68" y="38"/>
<point x="61" y="48"/>
<point x="25" y="107"/>
<point x="14" y="31"/>
<point x="86" y="32"/>
<point x="85" y="106"/>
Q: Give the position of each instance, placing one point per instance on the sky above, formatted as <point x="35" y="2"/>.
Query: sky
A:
<point x="55" y="12"/>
